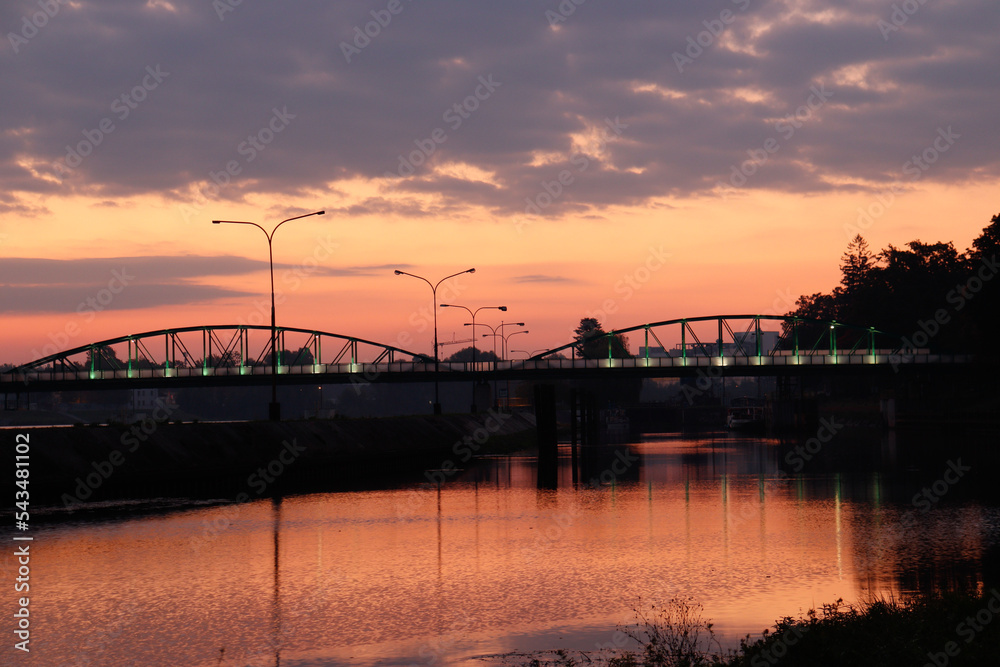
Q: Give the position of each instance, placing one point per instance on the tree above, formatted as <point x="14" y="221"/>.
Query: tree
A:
<point x="301" y="357"/>
<point x="465" y="355"/>
<point x="857" y="265"/>
<point x="104" y="358"/>
<point x="987" y="244"/>
<point x="592" y="341"/>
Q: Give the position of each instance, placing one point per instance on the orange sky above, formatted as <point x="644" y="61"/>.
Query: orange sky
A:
<point x="600" y="268"/>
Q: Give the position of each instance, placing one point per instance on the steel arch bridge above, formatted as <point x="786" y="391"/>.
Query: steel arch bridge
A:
<point x="729" y="345"/>
<point x="750" y="341"/>
<point x="225" y="351"/>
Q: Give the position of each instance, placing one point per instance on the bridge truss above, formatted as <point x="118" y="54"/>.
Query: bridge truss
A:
<point x="240" y="351"/>
<point x="731" y="345"/>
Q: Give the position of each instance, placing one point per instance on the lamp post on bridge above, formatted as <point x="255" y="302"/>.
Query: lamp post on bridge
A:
<point x="473" y="314"/>
<point x="274" y="408"/>
<point x="493" y="332"/>
<point x="503" y="347"/>
<point x="434" y="286"/>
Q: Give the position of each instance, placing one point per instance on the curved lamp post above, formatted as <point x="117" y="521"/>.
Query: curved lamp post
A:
<point x="513" y="333"/>
<point x="274" y="409"/>
<point x="473" y="314"/>
<point x="434" y="286"/>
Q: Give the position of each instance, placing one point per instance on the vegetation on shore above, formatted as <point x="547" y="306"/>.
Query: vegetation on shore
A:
<point x="951" y="630"/>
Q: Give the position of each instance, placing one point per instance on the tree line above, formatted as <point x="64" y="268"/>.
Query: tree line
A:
<point x="930" y="293"/>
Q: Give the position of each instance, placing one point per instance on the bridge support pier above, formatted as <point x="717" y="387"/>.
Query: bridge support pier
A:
<point x="548" y="444"/>
<point x="573" y="435"/>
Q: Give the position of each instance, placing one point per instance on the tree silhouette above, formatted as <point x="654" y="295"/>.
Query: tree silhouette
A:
<point x="857" y="265"/>
<point x="902" y="289"/>
<point x="592" y="341"/>
<point x="465" y="355"/>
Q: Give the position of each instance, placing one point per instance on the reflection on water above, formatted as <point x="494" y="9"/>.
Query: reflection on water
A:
<point x="489" y="563"/>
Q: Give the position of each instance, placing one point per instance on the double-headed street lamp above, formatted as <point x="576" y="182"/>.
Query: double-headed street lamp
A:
<point x="473" y="314"/>
<point x="503" y="348"/>
<point x="274" y="408"/>
<point x="513" y="333"/>
<point x="434" y="286"/>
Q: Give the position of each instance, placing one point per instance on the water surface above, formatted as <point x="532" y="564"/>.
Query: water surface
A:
<point x="490" y="564"/>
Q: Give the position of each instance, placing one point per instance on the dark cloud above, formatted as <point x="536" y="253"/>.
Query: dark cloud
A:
<point x="542" y="278"/>
<point x="92" y="299"/>
<point x="151" y="269"/>
<point x="35" y="285"/>
<point x="267" y="90"/>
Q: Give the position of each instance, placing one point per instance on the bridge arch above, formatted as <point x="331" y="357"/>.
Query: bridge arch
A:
<point x="222" y="346"/>
<point x="827" y="338"/>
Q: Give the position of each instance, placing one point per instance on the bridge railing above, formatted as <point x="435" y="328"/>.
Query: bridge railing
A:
<point x="372" y="370"/>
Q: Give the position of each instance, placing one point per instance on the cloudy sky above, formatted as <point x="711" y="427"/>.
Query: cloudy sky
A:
<point x="634" y="161"/>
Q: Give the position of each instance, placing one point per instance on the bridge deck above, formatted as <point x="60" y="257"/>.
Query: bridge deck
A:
<point x="780" y="363"/>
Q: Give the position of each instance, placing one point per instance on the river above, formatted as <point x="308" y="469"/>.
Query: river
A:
<point x="749" y="527"/>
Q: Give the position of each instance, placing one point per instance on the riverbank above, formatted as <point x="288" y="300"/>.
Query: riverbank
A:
<point x="955" y="628"/>
<point x="85" y="464"/>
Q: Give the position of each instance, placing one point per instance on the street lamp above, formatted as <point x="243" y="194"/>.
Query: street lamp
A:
<point x="503" y="347"/>
<point x="473" y="314"/>
<point x="274" y="408"/>
<point x="434" y="286"/>
<point x="514" y="333"/>
<point x="504" y="338"/>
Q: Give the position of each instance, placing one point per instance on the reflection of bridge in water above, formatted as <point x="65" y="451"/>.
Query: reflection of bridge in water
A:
<point x="717" y="346"/>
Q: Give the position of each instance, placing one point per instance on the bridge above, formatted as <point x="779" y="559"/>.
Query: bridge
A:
<point x="714" y="345"/>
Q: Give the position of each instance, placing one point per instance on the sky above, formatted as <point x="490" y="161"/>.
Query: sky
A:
<point x="630" y="161"/>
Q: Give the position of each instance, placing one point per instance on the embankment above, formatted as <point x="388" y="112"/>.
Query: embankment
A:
<point x="85" y="464"/>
